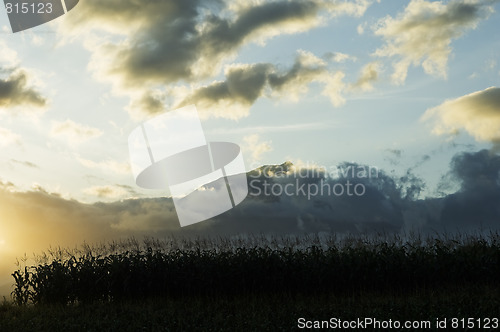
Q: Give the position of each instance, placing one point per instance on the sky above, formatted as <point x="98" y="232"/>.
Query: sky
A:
<point x="407" y="87"/>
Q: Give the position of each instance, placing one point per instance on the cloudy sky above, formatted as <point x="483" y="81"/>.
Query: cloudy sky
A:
<point x="409" y="87"/>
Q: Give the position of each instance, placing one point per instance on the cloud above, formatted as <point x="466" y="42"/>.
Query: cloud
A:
<point x="33" y="220"/>
<point x="477" y="113"/>
<point x="395" y="152"/>
<point x="369" y="75"/>
<point x="354" y="8"/>
<point x="45" y="217"/>
<point x="231" y="98"/>
<point x="476" y="203"/>
<point x="256" y="147"/>
<point x="107" y="191"/>
<point x="361" y="28"/>
<point x="106" y="165"/>
<point x="25" y="163"/>
<point x="18" y="86"/>
<point x="171" y="40"/>
<point x="157" y="43"/>
<point x="184" y="49"/>
<point x="476" y="170"/>
<point x="244" y="84"/>
<point x="339" y="57"/>
<point x="8" y="57"/>
<point x="74" y="132"/>
<point x="334" y="87"/>
<point x="147" y="103"/>
<point x="7" y="137"/>
<point x="306" y="69"/>
<point x="393" y="156"/>
<point x="37" y="218"/>
<point x="15" y="91"/>
<point x="422" y="34"/>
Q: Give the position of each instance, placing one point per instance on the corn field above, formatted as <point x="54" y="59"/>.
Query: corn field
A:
<point x="173" y="268"/>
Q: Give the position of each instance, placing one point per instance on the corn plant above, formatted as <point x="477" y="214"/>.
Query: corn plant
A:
<point x="176" y="267"/>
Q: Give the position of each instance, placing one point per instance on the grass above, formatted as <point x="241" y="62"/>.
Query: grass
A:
<point x="254" y="283"/>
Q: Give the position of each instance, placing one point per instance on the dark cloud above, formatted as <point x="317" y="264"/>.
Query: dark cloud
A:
<point x="244" y="84"/>
<point x="33" y="220"/>
<point x="156" y="43"/>
<point x="476" y="204"/>
<point x="148" y="102"/>
<point x="183" y="40"/>
<point x="306" y="69"/>
<point x="15" y="91"/>
<point x="477" y="170"/>
<point x="225" y="35"/>
<point x="282" y="198"/>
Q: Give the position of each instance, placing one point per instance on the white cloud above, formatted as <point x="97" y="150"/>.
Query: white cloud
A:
<point x="422" y="34"/>
<point x="334" y="88"/>
<point x="73" y="132"/>
<point x="474" y="75"/>
<point x="8" y="57"/>
<point x="256" y="147"/>
<point x="369" y="74"/>
<point x="340" y="57"/>
<point x="491" y="64"/>
<point x="108" y="191"/>
<point x="107" y="165"/>
<point x="355" y="8"/>
<point x="361" y="28"/>
<point x="7" y="137"/>
<point x="477" y="113"/>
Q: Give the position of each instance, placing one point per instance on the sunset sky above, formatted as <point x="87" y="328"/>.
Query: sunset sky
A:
<point x="399" y="85"/>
